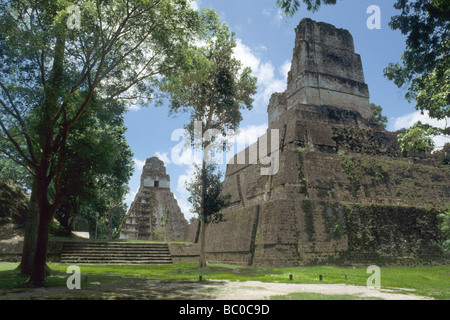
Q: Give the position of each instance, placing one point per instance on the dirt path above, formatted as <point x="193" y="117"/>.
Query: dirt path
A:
<point x="255" y="290"/>
<point x="189" y="290"/>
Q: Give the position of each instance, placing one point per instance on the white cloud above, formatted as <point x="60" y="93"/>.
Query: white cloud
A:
<point x="163" y="157"/>
<point x="138" y="164"/>
<point x="268" y="82"/>
<point x="245" y="55"/>
<point x="183" y="194"/>
<point x="133" y="107"/>
<point x="266" y="73"/>
<point x="409" y="119"/>
<point x="285" y="68"/>
<point x="129" y="198"/>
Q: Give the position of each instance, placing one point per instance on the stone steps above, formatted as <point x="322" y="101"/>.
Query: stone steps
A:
<point x="115" y="253"/>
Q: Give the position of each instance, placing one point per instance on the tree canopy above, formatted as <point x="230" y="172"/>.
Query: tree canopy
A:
<point x="424" y="70"/>
<point x="213" y="90"/>
<point x="56" y="64"/>
<point x="214" y="87"/>
<point x="377" y="115"/>
<point x="290" y="7"/>
<point x="418" y="138"/>
<point x="214" y="201"/>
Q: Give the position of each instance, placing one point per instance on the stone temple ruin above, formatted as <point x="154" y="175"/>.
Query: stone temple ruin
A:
<point x="154" y="213"/>
<point x="344" y="192"/>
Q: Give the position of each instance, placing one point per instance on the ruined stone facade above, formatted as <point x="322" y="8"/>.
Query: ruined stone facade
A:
<point x="343" y="192"/>
<point x="154" y="213"/>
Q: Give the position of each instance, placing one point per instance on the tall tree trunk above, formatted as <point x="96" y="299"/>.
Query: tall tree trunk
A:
<point x="45" y="171"/>
<point x="30" y="236"/>
<point x="38" y="274"/>
<point x="46" y="212"/>
<point x="203" y="220"/>
<point x="202" y="260"/>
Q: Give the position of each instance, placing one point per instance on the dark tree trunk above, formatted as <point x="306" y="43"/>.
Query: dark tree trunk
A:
<point x="46" y="212"/>
<point x="202" y="259"/>
<point x="30" y="236"/>
<point x="38" y="274"/>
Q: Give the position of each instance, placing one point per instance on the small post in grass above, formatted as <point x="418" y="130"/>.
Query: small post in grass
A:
<point x="200" y="278"/>
<point x="320" y="277"/>
<point x="290" y="277"/>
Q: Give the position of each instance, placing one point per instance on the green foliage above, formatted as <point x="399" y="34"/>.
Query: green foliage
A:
<point x="290" y="7"/>
<point x="52" y="76"/>
<point x="334" y="220"/>
<point x="442" y="156"/>
<point x="377" y="115"/>
<point x="99" y="166"/>
<point x="417" y="138"/>
<point x="357" y="167"/>
<point x="425" y="65"/>
<point x="213" y="88"/>
<point x="445" y="227"/>
<point x="352" y="169"/>
<point x="390" y="231"/>
<point x="10" y="170"/>
<point x="159" y="234"/>
<point x="214" y="201"/>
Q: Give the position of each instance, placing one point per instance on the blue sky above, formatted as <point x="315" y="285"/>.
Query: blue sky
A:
<point x="265" y="40"/>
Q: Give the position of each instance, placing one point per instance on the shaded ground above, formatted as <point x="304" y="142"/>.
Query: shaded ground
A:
<point x="133" y="289"/>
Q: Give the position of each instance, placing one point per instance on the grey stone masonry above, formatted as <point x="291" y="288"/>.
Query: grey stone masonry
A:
<point x="154" y="213"/>
<point x="343" y="192"/>
<point x="325" y="70"/>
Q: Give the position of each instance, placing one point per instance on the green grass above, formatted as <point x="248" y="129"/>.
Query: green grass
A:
<point x="425" y="281"/>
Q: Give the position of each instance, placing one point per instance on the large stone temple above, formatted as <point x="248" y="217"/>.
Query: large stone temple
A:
<point x="344" y="192"/>
<point x="154" y="214"/>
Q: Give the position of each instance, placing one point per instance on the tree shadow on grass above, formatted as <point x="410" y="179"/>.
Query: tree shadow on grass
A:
<point x="104" y="287"/>
<point x="140" y="289"/>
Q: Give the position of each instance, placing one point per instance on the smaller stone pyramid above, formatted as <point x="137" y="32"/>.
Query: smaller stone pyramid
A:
<point x="154" y="213"/>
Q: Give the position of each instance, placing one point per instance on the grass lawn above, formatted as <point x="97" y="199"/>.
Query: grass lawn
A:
<point x="426" y="281"/>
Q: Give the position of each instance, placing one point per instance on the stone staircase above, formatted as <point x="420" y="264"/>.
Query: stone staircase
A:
<point x="115" y="253"/>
